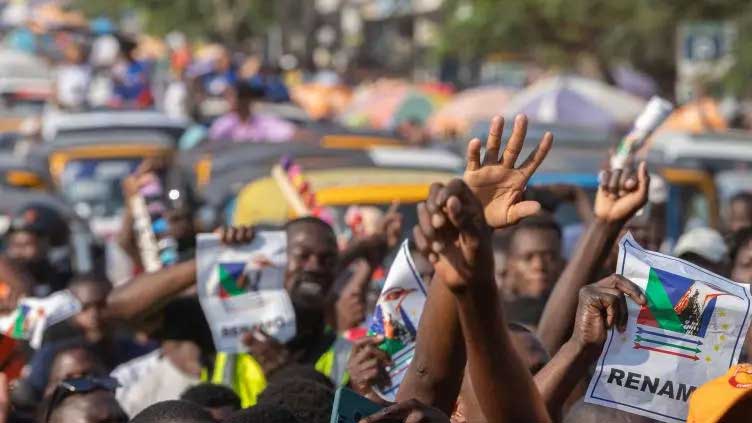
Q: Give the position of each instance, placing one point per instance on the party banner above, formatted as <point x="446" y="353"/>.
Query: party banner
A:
<point x="240" y="289"/>
<point x="691" y="331"/>
<point x="33" y="315"/>
<point x="396" y="317"/>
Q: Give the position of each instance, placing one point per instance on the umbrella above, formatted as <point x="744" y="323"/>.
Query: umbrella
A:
<point x="387" y="103"/>
<point x="320" y="100"/>
<point x="459" y="114"/>
<point x="701" y="115"/>
<point x="576" y="101"/>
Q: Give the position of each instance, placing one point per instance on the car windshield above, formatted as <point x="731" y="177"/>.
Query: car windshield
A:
<point x="92" y="186"/>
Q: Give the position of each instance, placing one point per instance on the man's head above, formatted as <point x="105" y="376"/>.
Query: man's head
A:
<point x="740" y="211"/>
<point x="92" y="293"/>
<point x="223" y="61"/>
<point x="704" y="247"/>
<point x="533" y="258"/>
<point x="98" y="406"/>
<point x="185" y="335"/>
<point x="34" y="229"/>
<point x="307" y="399"/>
<point x="173" y="412"/>
<point x="243" y="97"/>
<point x="741" y="256"/>
<point x="27" y="248"/>
<point x="312" y="256"/>
<point x="220" y="401"/>
<point x="73" y="362"/>
<point x="263" y="413"/>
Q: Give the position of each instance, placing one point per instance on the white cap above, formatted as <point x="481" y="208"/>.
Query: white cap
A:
<point x="704" y="242"/>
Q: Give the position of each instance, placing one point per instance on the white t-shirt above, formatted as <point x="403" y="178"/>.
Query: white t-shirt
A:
<point x="149" y="379"/>
<point x="72" y="85"/>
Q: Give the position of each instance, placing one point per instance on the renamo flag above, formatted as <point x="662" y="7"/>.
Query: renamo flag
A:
<point x="690" y="331"/>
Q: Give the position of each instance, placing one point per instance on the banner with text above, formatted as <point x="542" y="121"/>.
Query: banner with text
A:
<point x="240" y="289"/>
<point x="691" y="331"/>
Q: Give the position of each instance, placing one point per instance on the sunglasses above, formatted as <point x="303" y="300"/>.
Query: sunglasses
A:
<point x="79" y="385"/>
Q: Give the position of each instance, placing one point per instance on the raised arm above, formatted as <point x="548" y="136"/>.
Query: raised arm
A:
<point x="616" y="202"/>
<point x="435" y="374"/>
<point x="601" y="306"/>
<point x="502" y="383"/>
<point x="148" y="291"/>
<point x="142" y="294"/>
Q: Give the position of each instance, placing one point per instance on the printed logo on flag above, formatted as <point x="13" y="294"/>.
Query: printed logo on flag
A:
<point x="230" y="279"/>
<point x="691" y="330"/>
<point x="676" y="304"/>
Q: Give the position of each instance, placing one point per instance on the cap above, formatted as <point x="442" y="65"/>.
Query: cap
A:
<point x="711" y="401"/>
<point x="705" y="242"/>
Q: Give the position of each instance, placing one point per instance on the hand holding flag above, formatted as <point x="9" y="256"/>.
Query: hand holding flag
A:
<point x="602" y="306"/>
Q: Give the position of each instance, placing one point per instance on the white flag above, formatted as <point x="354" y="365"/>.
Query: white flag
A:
<point x="396" y="317"/>
<point x="33" y="315"/>
<point x="240" y="289"/>
<point x="691" y="331"/>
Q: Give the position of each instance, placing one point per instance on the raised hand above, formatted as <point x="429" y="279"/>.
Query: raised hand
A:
<point x="620" y="195"/>
<point x="144" y="173"/>
<point x="603" y="305"/>
<point x="367" y="366"/>
<point x="497" y="183"/>
<point x="411" y="411"/>
<point x="453" y="234"/>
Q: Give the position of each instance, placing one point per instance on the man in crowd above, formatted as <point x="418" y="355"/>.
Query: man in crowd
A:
<point x="739" y="212"/>
<point x="242" y="124"/>
<point x="532" y="264"/>
<point x="34" y="230"/>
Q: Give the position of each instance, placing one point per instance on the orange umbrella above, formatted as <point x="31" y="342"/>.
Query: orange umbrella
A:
<point x="321" y="101"/>
<point x="701" y="115"/>
<point x="457" y="116"/>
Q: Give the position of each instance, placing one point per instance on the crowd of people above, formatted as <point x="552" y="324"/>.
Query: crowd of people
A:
<point x="517" y="310"/>
<point x="209" y="85"/>
<point x="510" y="330"/>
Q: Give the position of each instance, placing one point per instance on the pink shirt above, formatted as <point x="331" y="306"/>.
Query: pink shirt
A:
<point x="259" y="128"/>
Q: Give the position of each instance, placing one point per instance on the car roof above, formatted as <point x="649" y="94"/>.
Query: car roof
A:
<point x="233" y="171"/>
<point x="54" y="123"/>
<point x="711" y="151"/>
<point x="110" y="137"/>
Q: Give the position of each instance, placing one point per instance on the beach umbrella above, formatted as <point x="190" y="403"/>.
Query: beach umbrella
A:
<point x="457" y="116"/>
<point x="576" y="101"/>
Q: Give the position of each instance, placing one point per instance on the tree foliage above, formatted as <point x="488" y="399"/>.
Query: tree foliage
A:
<point x="229" y="21"/>
<point x="563" y="32"/>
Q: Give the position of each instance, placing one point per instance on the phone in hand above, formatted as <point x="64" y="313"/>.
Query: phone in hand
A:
<point x="350" y="407"/>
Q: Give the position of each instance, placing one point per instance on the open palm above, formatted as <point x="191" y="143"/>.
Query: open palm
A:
<point x="497" y="182"/>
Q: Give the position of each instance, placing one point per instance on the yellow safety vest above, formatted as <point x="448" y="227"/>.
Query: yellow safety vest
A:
<point x="248" y="379"/>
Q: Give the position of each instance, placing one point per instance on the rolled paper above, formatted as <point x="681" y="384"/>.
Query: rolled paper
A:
<point x="654" y="114"/>
<point x="309" y="199"/>
<point x="294" y="171"/>
<point x="297" y="181"/>
<point x="304" y="186"/>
